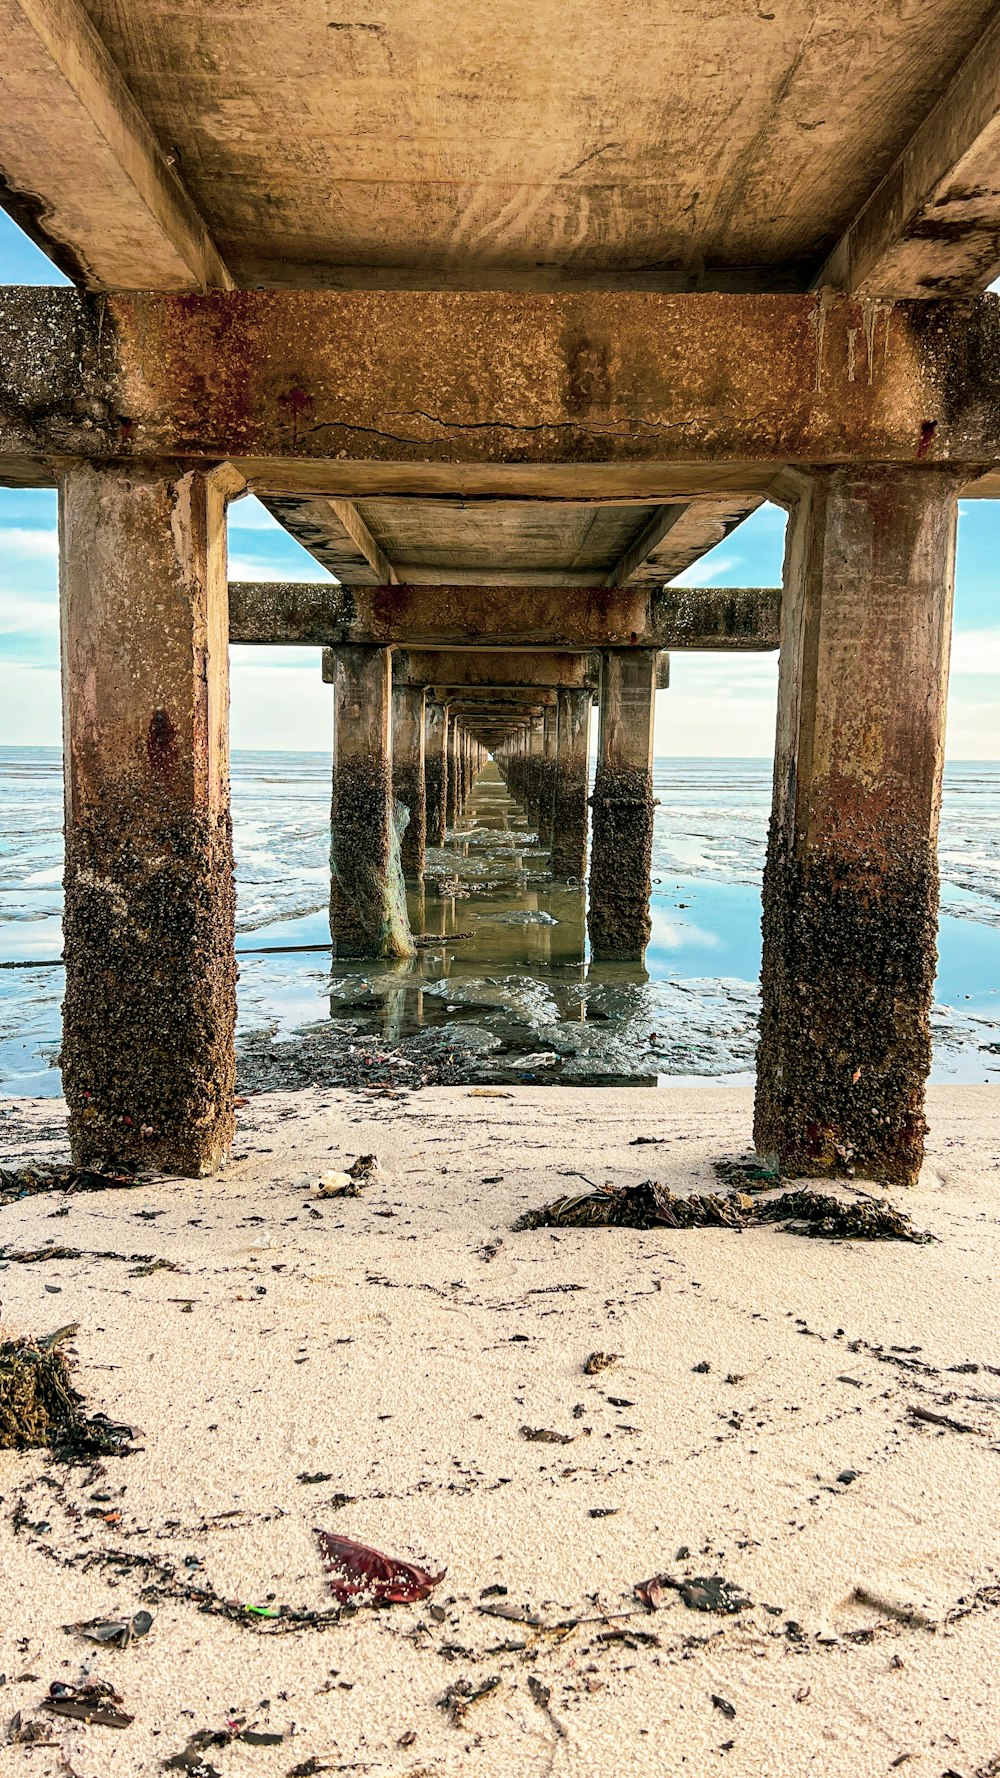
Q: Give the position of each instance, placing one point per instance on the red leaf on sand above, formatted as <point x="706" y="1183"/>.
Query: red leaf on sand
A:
<point x="358" y="1572"/>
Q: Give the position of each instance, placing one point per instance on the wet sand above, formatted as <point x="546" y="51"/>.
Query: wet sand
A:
<point x="395" y="1344"/>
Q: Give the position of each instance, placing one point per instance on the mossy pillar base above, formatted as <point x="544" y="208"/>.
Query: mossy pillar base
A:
<point x="453" y="787"/>
<point x="570" y="805"/>
<point x="408" y="778"/>
<point x="367" y="893"/>
<point x="147" y="1055"/>
<point x="618" y="908"/>
<point x="547" y="774"/>
<point x="850" y="887"/>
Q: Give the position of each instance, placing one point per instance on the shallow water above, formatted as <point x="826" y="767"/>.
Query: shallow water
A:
<point x="503" y="982"/>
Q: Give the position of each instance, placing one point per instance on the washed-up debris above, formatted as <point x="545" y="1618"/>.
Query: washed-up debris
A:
<point x="514" y="1614"/>
<point x="358" y="1572"/>
<point x="932" y="1419"/>
<point x="702" y="1593"/>
<point x="191" y="1758"/>
<point x="746" y="1171"/>
<point x="29" y="1182"/>
<point x="40" y="1407"/>
<point x="629" y="1637"/>
<point x="723" y="1704"/>
<point x="30" y="1732"/>
<point x="542" y="1696"/>
<point x="652" y="1205"/>
<point x="644" y="1141"/>
<point x="599" y="1361"/>
<point x="488" y="1093"/>
<point x="95" y="1701"/>
<point x="350" y="1184"/>
<point x="460" y="1697"/>
<point x="145" y="1263"/>
<point x="320" y="1475"/>
<point x="113" y="1632"/>
<point x="542" y="1435"/>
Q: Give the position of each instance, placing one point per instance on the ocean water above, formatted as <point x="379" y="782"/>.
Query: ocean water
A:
<point x="502" y="979"/>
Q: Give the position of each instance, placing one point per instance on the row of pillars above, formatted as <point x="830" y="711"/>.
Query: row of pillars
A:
<point x="850" y="890"/>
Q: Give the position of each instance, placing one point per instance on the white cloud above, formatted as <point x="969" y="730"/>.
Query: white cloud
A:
<point x="21" y="613"/>
<point x="259" y="568"/>
<point x="976" y="651"/>
<point x="31" y="541"/>
<point x="250" y="515"/>
<point x="706" y="571"/>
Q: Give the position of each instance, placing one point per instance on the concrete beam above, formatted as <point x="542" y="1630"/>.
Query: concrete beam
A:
<point x="335" y="533"/>
<point x="581" y="390"/>
<point x="675" y="537"/>
<point x="511" y="671"/>
<point x="80" y="168"/>
<point x="297" y="613"/>
<point x="932" y="227"/>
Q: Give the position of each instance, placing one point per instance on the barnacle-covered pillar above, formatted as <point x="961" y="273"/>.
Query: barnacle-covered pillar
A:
<point x="408" y="774"/>
<point x="148" y="1062"/>
<point x="851" y="884"/>
<point x="618" y="912"/>
<point x="367" y="893"/>
<point x="436" y="771"/>
<point x="570" y="808"/>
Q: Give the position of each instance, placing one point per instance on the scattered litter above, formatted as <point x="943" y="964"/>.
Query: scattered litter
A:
<point x="321" y="1475"/>
<point x="358" y="1572"/>
<point x="114" y="1632"/>
<point x="599" y="1361"/>
<point x="651" y="1205"/>
<point x="847" y="1476"/>
<point x="542" y="1696"/>
<point x="460" y="1697"/>
<point x="95" y="1701"/>
<point x="191" y="1758"/>
<point x="541" y="1435"/>
<point x="488" y="1093"/>
<point x="630" y="1638"/>
<point x="641" y="1141"/>
<point x="724" y="1705"/>
<point x="40" y="1407"/>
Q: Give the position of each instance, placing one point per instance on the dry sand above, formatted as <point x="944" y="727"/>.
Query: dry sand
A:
<point x="398" y="1342"/>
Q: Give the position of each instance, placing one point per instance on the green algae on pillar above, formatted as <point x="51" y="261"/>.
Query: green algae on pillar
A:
<point x="148" y="1061"/>
<point x="851" y="882"/>
<point x="408" y="780"/>
<point x="618" y="913"/>
<point x="367" y="893"/>
<point x="570" y="807"/>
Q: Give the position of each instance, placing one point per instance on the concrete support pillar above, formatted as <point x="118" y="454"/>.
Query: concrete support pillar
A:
<point x="618" y="914"/>
<point x="851" y="887"/>
<point x="454" y="769"/>
<point x="367" y="895"/>
<point x="436" y="771"/>
<point x="571" y="807"/>
<point x="147" y="1053"/>
<point x="408" y="782"/>
<point x="534" y="748"/>
<point x="547" y="773"/>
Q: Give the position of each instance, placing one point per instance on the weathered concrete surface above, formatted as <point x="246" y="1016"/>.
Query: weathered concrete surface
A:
<point x="293" y="613"/>
<point x="570" y="809"/>
<point x="933" y="223"/>
<point x="147" y="1055"/>
<point x="408" y="780"/>
<point x="367" y="895"/>
<point x="436" y="771"/>
<point x="851" y="884"/>
<point x="80" y="166"/>
<point x="618" y="904"/>
<point x="494" y="378"/>
<point x="547" y="773"/>
<point x="454" y="786"/>
<point x="514" y="670"/>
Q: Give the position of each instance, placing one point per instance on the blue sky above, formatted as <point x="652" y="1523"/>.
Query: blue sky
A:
<point x="717" y="705"/>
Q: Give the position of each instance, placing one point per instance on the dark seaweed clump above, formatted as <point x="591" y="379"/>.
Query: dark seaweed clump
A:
<point x="40" y="1407"/>
<point x="651" y="1205"/>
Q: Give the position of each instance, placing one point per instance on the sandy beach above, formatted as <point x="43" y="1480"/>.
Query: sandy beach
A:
<point x="393" y="1346"/>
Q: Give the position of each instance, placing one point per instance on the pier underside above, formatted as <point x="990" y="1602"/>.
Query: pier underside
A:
<point x="552" y="352"/>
